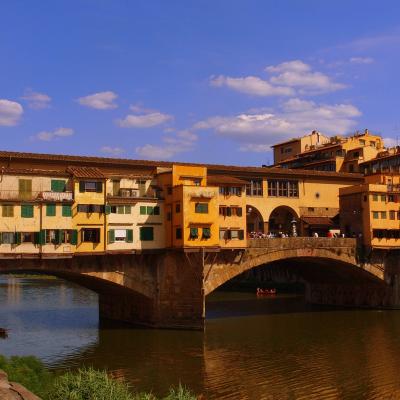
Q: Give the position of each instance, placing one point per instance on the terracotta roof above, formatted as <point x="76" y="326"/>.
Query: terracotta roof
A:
<point x="32" y="171"/>
<point x="287" y="141"/>
<point x="318" y="221"/>
<point x="9" y="156"/>
<point x="86" y="172"/>
<point x="224" y="180"/>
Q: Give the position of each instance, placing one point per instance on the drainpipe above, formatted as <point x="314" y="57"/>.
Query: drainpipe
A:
<point x="105" y="216"/>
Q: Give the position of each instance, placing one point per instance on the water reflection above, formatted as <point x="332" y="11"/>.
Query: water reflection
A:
<point x="252" y="348"/>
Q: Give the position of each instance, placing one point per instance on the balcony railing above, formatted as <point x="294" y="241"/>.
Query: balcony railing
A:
<point x="132" y="194"/>
<point x="56" y="196"/>
<point x="35" y="195"/>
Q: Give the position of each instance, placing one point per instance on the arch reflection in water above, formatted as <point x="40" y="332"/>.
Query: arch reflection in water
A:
<point x="287" y="351"/>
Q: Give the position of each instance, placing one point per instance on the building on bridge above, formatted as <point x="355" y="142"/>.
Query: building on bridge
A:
<point x="371" y="210"/>
<point x="60" y="206"/>
<point x="317" y="152"/>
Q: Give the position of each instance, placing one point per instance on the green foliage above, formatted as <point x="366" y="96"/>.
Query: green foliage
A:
<point x="83" y="384"/>
<point x="29" y="372"/>
<point x="88" y="384"/>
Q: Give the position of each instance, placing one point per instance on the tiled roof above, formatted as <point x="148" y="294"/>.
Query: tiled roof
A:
<point x="318" y="221"/>
<point x="235" y="170"/>
<point x="224" y="180"/>
<point x="86" y="172"/>
<point x="33" y="171"/>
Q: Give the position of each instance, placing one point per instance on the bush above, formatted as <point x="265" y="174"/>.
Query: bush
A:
<point x="29" y="372"/>
<point x="88" y="384"/>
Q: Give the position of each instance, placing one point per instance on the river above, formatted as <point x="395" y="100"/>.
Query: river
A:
<point x="270" y="348"/>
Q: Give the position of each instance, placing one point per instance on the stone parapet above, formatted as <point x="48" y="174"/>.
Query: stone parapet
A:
<point x="14" y="391"/>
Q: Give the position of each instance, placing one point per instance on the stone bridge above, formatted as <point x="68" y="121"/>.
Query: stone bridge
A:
<point x="168" y="289"/>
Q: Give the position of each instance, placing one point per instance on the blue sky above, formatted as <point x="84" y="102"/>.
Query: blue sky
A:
<point x="198" y="81"/>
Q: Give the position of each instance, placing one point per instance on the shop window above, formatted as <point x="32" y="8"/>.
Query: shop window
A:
<point x="90" y="235"/>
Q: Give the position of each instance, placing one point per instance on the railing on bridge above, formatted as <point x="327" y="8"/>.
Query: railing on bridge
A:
<point x="301" y="242"/>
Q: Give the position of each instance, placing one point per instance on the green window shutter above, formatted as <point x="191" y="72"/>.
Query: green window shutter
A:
<point x="142" y="210"/>
<point x="42" y="238"/>
<point x="128" y="209"/>
<point x="206" y="233"/>
<point x="107" y="209"/>
<point x="50" y="210"/>
<point x="150" y="210"/>
<point x="241" y="234"/>
<point x="26" y="211"/>
<point x="82" y="186"/>
<point x="36" y="238"/>
<point x="156" y="210"/>
<point x="239" y="211"/>
<point x="120" y="209"/>
<point x="194" y="233"/>
<point x="58" y="236"/>
<point x="66" y="210"/>
<point x="74" y="237"/>
<point x="18" y="237"/>
<point x="129" y="235"/>
<point x="146" y="233"/>
<point x="111" y="236"/>
<point x="99" y="187"/>
<point x="57" y="185"/>
<point x="25" y="188"/>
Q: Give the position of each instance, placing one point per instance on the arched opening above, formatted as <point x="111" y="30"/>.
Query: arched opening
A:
<point x="284" y="219"/>
<point x="254" y="220"/>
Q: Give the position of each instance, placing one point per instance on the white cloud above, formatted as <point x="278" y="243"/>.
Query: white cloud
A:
<point x="112" y="151"/>
<point x="294" y="118"/>
<point x="180" y="142"/>
<point x="10" y="112"/>
<point x="255" y="148"/>
<point x="36" y="100"/>
<point x="287" y="79"/>
<point x="297" y="74"/>
<point x="361" y="60"/>
<point x="251" y="85"/>
<point x="47" y="136"/>
<point x="144" y="120"/>
<point x="99" y="101"/>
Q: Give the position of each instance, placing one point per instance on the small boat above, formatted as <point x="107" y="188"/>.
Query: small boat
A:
<point x="3" y="333"/>
<point x="266" y="292"/>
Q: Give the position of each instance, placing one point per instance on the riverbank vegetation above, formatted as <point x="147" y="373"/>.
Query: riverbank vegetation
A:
<point x="83" y="384"/>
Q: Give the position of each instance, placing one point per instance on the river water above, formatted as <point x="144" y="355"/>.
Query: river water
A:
<point x="252" y="348"/>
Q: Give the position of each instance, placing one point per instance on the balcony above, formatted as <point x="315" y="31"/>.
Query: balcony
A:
<point x="56" y="196"/>
<point x="16" y="195"/>
<point x="132" y="194"/>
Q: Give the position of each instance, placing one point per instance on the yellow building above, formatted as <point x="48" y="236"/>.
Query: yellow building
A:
<point x="88" y="210"/>
<point x="340" y="154"/>
<point x="134" y="214"/>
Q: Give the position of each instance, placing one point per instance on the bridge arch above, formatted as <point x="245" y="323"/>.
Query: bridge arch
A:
<point x="281" y="219"/>
<point x="313" y="258"/>
<point x="254" y="219"/>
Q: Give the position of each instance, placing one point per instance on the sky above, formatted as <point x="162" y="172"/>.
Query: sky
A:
<point x="214" y="81"/>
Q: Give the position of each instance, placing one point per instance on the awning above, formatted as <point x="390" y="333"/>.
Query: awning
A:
<point x="318" y="221"/>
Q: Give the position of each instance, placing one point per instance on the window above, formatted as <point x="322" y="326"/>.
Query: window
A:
<point x="90" y="208"/>
<point x="392" y="215"/>
<point x="27" y="237"/>
<point x="169" y="190"/>
<point x="7" y="211"/>
<point x="50" y="210"/>
<point x="149" y="210"/>
<point x="120" y="235"/>
<point x="146" y="233"/>
<point x="169" y="216"/>
<point x="25" y="188"/>
<point x="283" y="188"/>
<point x="375" y="197"/>
<point x="206" y="233"/>
<point x="201" y="208"/>
<point x="383" y="214"/>
<point x="237" y="234"/>
<point x="58" y="185"/>
<point x="383" y="197"/>
<point x="194" y="233"/>
<point x="178" y="233"/>
<point x="90" y="186"/>
<point x="178" y="208"/>
<point x="375" y="214"/>
<point x="222" y="234"/>
<point x="197" y="182"/>
<point x="90" y="235"/>
<point x="8" y="238"/>
<point x="391" y="198"/>
<point x="50" y="236"/>
<point x="66" y="210"/>
<point x="222" y="210"/>
<point x="26" y="211"/>
<point x="254" y="188"/>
